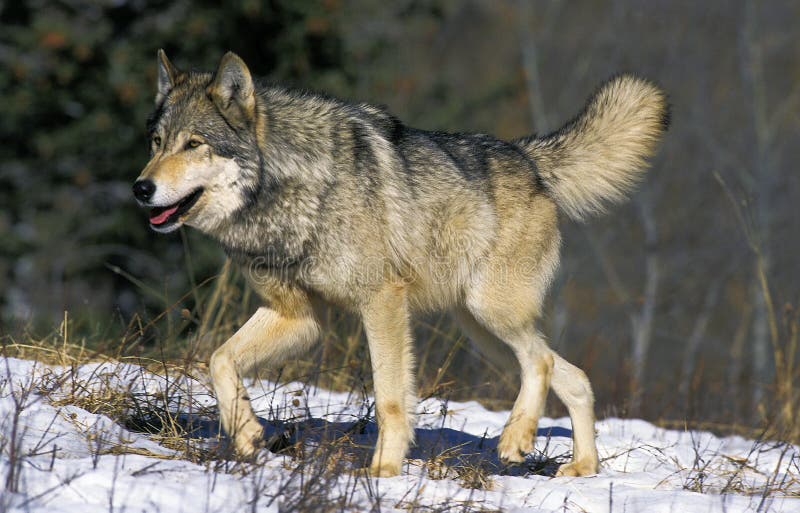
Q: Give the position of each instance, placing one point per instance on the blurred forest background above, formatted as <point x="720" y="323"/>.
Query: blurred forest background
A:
<point x="680" y="305"/>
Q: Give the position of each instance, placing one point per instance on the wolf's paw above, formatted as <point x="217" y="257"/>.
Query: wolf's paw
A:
<point x="578" y="468"/>
<point x="249" y="440"/>
<point x="384" y="469"/>
<point x="514" y="444"/>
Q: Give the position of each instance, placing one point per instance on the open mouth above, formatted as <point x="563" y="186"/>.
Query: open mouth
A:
<point x="163" y="216"/>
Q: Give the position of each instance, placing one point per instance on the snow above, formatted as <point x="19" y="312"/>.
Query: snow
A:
<point x="57" y="456"/>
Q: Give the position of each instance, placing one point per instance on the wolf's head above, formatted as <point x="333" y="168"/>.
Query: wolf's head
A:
<point x="204" y="154"/>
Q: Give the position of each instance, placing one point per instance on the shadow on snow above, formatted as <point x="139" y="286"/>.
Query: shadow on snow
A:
<point x="355" y="442"/>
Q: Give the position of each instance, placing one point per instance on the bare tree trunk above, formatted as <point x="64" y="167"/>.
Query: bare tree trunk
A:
<point x="642" y="321"/>
<point x="758" y="181"/>
<point x="696" y="338"/>
<point x="736" y="360"/>
<point x="760" y="343"/>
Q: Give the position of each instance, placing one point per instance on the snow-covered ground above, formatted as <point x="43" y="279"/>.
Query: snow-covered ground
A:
<point x="57" y="456"/>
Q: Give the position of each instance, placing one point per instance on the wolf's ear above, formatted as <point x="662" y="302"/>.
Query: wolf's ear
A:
<point x="167" y="76"/>
<point x="232" y="90"/>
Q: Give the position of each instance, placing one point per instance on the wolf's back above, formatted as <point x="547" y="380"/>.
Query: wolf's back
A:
<point x="599" y="156"/>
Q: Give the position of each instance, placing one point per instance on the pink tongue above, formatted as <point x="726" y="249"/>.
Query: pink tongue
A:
<point x="163" y="216"/>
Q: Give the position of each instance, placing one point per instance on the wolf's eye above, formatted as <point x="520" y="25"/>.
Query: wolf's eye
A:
<point x="193" y="143"/>
<point x="157" y="140"/>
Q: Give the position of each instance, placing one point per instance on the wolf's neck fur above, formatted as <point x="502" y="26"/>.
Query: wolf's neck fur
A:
<point x="276" y="225"/>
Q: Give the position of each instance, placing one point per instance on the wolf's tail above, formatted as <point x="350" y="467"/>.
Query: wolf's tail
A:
<point x="599" y="156"/>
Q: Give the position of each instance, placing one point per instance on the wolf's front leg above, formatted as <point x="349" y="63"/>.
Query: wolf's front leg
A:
<point x="267" y="337"/>
<point x="386" y="321"/>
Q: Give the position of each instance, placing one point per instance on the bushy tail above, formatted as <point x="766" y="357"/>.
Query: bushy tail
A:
<point x="599" y="156"/>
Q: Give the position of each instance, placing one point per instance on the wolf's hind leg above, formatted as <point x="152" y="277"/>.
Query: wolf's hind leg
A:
<point x="386" y="322"/>
<point x="535" y="367"/>
<point x="573" y="388"/>
<point x="570" y="385"/>
<point x="267" y="337"/>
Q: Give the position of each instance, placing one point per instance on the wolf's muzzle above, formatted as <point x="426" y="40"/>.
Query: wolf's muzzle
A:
<point x="143" y="190"/>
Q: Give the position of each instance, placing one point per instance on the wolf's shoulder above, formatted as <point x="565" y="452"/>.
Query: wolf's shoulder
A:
<point x="361" y="115"/>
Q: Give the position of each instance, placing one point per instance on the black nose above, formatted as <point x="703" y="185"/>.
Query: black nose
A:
<point x="144" y="189"/>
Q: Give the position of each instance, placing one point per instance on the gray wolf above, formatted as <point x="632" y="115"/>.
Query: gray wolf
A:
<point x="327" y="202"/>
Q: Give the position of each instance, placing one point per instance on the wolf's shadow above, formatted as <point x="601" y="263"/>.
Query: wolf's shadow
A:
<point x="355" y="441"/>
